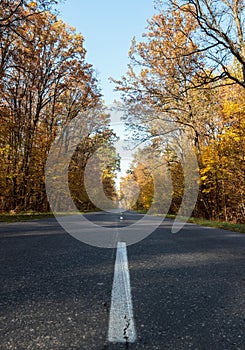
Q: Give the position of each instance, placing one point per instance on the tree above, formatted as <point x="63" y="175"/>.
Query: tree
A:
<point x="14" y="15"/>
<point x="158" y="89"/>
<point x="223" y="162"/>
<point x="14" y="12"/>
<point x="46" y="84"/>
<point x="154" y="181"/>
<point x="182" y="81"/>
<point x="83" y="192"/>
<point x="220" y="37"/>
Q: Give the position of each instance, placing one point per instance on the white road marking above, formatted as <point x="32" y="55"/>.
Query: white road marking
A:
<point x="121" y="323"/>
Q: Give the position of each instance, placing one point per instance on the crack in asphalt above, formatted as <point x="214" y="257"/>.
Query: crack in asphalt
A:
<point x="125" y="336"/>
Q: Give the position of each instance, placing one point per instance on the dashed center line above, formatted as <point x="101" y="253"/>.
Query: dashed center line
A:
<point x="121" y="323"/>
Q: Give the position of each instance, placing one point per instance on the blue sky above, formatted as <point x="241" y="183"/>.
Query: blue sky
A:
<point x="108" y="27"/>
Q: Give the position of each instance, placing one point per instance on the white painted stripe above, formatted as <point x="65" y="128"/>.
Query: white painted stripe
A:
<point x="121" y="323"/>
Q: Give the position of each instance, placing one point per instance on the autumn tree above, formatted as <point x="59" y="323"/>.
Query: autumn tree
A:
<point x="220" y="36"/>
<point x="157" y="89"/>
<point x="101" y="144"/>
<point x="13" y="12"/>
<point x="154" y="181"/>
<point x="192" y="53"/>
<point x="14" y="15"/>
<point x="223" y="161"/>
<point x="45" y="85"/>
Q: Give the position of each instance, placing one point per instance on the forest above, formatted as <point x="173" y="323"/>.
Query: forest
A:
<point x="187" y="78"/>
<point x="185" y="81"/>
<point x="45" y="83"/>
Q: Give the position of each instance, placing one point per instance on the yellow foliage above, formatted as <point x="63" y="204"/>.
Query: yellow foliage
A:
<point x="32" y="4"/>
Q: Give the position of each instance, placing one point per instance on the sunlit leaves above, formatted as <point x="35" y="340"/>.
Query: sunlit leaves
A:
<point x="186" y="76"/>
<point x="46" y="82"/>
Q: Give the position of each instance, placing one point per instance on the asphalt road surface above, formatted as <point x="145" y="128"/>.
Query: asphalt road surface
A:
<point x="187" y="289"/>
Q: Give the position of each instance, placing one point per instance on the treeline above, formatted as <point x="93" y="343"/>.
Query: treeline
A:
<point x="45" y="82"/>
<point x="187" y="77"/>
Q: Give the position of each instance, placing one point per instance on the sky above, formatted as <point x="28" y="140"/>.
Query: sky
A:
<point x="108" y="27"/>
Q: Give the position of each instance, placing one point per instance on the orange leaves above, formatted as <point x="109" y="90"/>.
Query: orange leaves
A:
<point x="233" y="102"/>
<point x="164" y="58"/>
<point x="32" y="5"/>
<point x="45" y="83"/>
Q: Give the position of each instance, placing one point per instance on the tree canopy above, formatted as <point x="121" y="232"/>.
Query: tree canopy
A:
<point x="45" y="83"/>
<point x="186" y="77"/>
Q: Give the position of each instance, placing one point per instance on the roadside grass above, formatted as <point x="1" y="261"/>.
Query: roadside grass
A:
<point x="26" y="216"/>
<point x="209" y="223"/>
<point x="13" y="217"/>
<point x="215" y="224"/>
<point x="219" y="224"/>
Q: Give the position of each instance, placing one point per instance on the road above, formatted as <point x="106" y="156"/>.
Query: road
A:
<point x="55" y="292"/>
